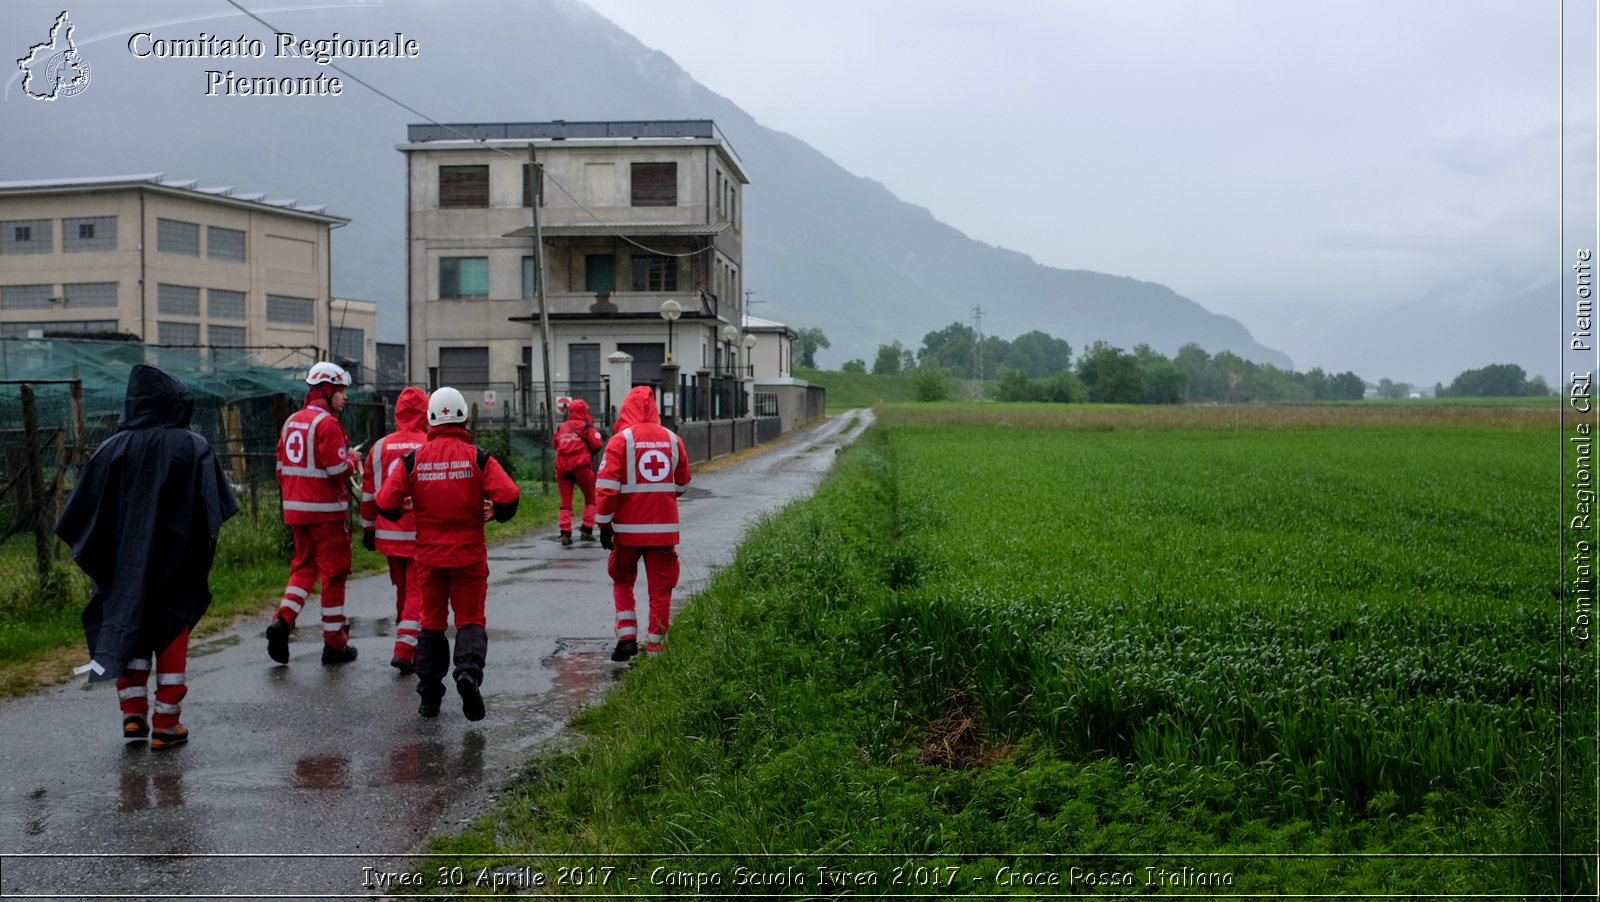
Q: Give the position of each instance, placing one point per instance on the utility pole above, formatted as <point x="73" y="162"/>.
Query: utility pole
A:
<point x="977" y="352"/>
<point x="537" y="175"/>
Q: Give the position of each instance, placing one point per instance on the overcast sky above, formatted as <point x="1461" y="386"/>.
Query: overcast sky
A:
<point x="1287" y="163"/>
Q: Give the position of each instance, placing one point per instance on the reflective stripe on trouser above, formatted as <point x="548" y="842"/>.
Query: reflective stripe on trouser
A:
<point x="407" y="606"/>
<point x="132" y="692"/>
<point x="321" y="552"/>
<point x="583" y="478"/>
<point x="661" y="577"/>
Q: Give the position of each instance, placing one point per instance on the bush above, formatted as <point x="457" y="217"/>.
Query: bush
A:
<point x="928" y="384"/>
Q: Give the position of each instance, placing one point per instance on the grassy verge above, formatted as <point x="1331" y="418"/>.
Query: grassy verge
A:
<point x="1104" y="656"/>
<point x="41" y="634"/>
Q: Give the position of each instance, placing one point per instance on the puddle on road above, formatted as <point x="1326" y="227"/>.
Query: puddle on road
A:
<point x="213" y="645"/>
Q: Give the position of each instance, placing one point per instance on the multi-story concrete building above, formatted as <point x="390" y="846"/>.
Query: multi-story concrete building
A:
<point x="169" y="262"/>
<point x="632" y="214"/>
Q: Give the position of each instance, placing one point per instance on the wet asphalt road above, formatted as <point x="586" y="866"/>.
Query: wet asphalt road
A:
<point x="297" y="778"/>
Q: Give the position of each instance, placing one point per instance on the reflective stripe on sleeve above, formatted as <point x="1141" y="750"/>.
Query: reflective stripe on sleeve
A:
<point x="611" y="484"/>
<point x="648" y="487"/>
<point x="603" y="519"/>
<point x="397" y="535"/>
<point x="368" y="496"/>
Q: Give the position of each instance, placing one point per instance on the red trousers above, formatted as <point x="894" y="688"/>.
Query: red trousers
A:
<point x="133" y="692"/>
<point x="661" y="577"/>
<point x="452" y="590"/>
<point x="407" y="606"/>
<point x="321" y="552"/>
<point x="583" y="478"/>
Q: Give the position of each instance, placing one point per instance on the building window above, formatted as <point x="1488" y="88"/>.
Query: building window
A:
<point x="599" y="274"/>
<point x="222" y="304"/>
<point x="527" y="186"/>
<point x="227" y="344"/>
<point x="25" y="297"/>
<point x="463" y="277"/>
<point x="530" y="282"/>
<point x="174" y="237"/>
<point x="89" y="233"/>
<point x="225" y="336"/>
<point x="655" y="184"/>
<point x="463" y="186"/>
<point x="90" y="294"/>
<point x="73" y="326"/>
<point x="350" y="345"/>
<point x="27" y="236"/>
<point x="654" y="272"/>
<point x="177" y="333"/>
<point x="177" y="300"/>
<point x="464" y="369"/>
<point x="290" y="310"/>
<point x="224" y="244"/>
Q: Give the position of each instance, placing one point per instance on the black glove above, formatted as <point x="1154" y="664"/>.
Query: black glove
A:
<point x="605" y="538"/>
<point x="369" y="539"/>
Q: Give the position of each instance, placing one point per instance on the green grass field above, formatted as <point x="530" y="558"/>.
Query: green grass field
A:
<point x="1315" y="650"/>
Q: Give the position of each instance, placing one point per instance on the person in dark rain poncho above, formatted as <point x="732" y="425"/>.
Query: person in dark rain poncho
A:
<point x="143" y="524"/>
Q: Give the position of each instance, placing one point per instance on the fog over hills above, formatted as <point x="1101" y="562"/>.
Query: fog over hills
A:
<point x="823" y="248"/>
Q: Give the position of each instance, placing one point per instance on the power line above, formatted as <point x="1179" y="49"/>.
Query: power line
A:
<point x="478" y="141"/>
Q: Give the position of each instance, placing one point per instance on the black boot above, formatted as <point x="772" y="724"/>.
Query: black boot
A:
<point x="625" y="650"/>
<point x="432" y="692"/>
<point x="278" y="640"/>
<point x="566" y="538"/>
<point x="586" y="533"/>
<point x="331" y="655"/>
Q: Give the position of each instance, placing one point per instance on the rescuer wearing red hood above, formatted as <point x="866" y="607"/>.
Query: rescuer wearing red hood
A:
<point x="447" y="483"/>
<point x="646" y="468"/>
<point x="575" y="441"/>
<point x="397" y="539"/>
<point x="315" y="463"/>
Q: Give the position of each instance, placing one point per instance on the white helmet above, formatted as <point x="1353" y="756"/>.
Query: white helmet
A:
<point x="326" y="373"/>
<point x="446" y="405"/>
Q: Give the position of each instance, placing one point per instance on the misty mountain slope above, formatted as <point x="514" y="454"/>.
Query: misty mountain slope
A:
<point x="823" y="248"/>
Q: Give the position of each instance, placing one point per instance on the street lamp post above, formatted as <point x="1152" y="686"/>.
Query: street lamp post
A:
<point x="670" y="311"/>
<point x="730" y="335"/>
<point x="749" y="352"/>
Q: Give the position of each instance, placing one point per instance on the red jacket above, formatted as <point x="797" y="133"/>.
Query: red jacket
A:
<point x="646" y="468"/>
<point x="395" y="538"/>
<point x="314" y="463"/>
<point x="448" y="479"/>
<point x="576" y="440"/>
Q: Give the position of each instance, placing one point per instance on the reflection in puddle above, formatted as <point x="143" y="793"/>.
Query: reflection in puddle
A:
<point x="322" y="772"/>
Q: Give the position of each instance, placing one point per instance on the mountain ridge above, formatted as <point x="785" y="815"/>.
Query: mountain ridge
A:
<point x="823" y="247"/>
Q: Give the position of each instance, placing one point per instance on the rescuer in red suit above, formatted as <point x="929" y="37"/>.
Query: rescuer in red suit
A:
<point x="452" y="487"/>
<point x="396" y="540"/>
<point x="645" y="470"/>
<point x="315" y="463"/>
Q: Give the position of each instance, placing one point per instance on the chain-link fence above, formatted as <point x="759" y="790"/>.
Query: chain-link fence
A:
<point x="60" y="398"/>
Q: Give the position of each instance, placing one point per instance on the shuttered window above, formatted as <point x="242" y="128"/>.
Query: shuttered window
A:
<point x="463" y="186"/>
<point x="655" y="184"/>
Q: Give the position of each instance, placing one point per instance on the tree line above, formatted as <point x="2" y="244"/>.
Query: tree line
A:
<point x="1040" y="367"/>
